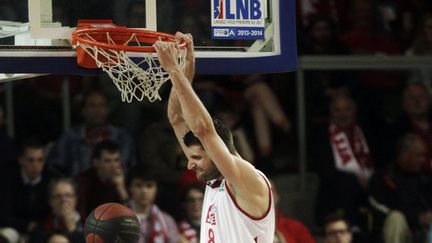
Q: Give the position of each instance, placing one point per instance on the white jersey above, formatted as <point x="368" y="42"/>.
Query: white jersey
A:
<point x="223" y="221"/>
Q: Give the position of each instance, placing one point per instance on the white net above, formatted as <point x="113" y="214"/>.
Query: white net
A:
<point x="134" y="79"/>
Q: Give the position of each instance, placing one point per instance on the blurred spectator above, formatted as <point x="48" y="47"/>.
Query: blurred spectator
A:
<point x="387" y="13"/>
<point x="289" y="230"/>
<point x="228" y="114"/>
<point x="321" y="38"/>
<point x="104" y="181"/>
<point x="190" y="225"/>
<point x="417" y="117"/>
<point x="335" y="9"/>
<point x="38" y="106"/>
<point x="409" y="12"/>
<point x="345" y="162"/>
<point x="64" y="216"/>
<point x="24" y="189"/>
<point x="265" y="108"/>
<point x="156" y="225"/>
<point x="422" y="46"/>
<point x="7" y="145"/>
<point x="405" y="188"/>
<point x="72" y="152"/>
<point x="337" y="230"/>
<point x="159" y="150"/>
<point x="363" y="37"/>
<point x="250" y="91"/>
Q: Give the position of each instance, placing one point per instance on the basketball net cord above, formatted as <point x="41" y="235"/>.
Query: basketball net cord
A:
<point x="133" y="79"/>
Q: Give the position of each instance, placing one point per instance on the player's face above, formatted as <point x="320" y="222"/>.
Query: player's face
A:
<point x="200" y="162"/>
<point x="338" y="232"/>
<point x="193" y="205"/>
<point x="32" y="162"/>
<point x="63" y="195"/>
<point x="143" y="192"/>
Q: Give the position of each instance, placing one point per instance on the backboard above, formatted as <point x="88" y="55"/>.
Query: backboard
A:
<point x="231" y="36"/>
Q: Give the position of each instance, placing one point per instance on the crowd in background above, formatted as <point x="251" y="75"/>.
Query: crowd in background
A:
<point x="369" y="133"/>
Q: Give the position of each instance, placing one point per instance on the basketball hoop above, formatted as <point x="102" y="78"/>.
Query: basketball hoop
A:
<point x="101" y="44"/>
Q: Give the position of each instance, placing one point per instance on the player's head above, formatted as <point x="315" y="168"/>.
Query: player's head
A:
<point x="199" y="161"/>
<point x="142" y="185"/>
<point x="337" y="230"/>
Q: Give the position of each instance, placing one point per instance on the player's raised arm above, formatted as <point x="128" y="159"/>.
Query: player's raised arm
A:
<point x="248" y="186"/>
<point x="175" y="115"/>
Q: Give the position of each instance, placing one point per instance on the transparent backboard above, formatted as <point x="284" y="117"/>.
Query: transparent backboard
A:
<point x="231" y="36"/>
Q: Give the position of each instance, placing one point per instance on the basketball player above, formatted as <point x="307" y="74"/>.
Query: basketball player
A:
<point x="238" y="205"/>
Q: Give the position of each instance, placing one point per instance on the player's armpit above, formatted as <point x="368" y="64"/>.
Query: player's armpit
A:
<point x="248" y="185"/>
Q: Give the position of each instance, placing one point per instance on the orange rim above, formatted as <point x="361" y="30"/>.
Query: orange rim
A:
<point x="120" y="34"/>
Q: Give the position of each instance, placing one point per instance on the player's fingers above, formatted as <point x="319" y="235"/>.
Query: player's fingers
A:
<point x="158" y="46"/>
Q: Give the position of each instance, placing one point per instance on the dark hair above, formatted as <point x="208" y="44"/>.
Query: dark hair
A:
<point x="224" y="133"/>
<point x="30" y="143"/>
<point x="142" y="173"/>
<point x="106" y="145"/>
<point x="335" y="217"/>
<point x="193" y="186"/>
<point x="91" y="93"/>
<point x="54" y="182"/>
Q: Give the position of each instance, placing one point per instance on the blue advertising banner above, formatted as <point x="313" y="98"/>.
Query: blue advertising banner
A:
<point x="238" y="19"/>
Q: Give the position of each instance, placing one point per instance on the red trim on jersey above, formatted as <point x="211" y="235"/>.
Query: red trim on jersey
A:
<point x="246" y="213"/>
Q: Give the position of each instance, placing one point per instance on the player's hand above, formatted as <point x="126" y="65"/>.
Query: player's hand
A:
<point x="168" y="53"/>
<point x="188" y="40"/>
<point x="189" y="66"/>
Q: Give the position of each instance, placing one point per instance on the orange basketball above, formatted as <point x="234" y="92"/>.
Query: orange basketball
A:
<point x="111" y="222"/>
